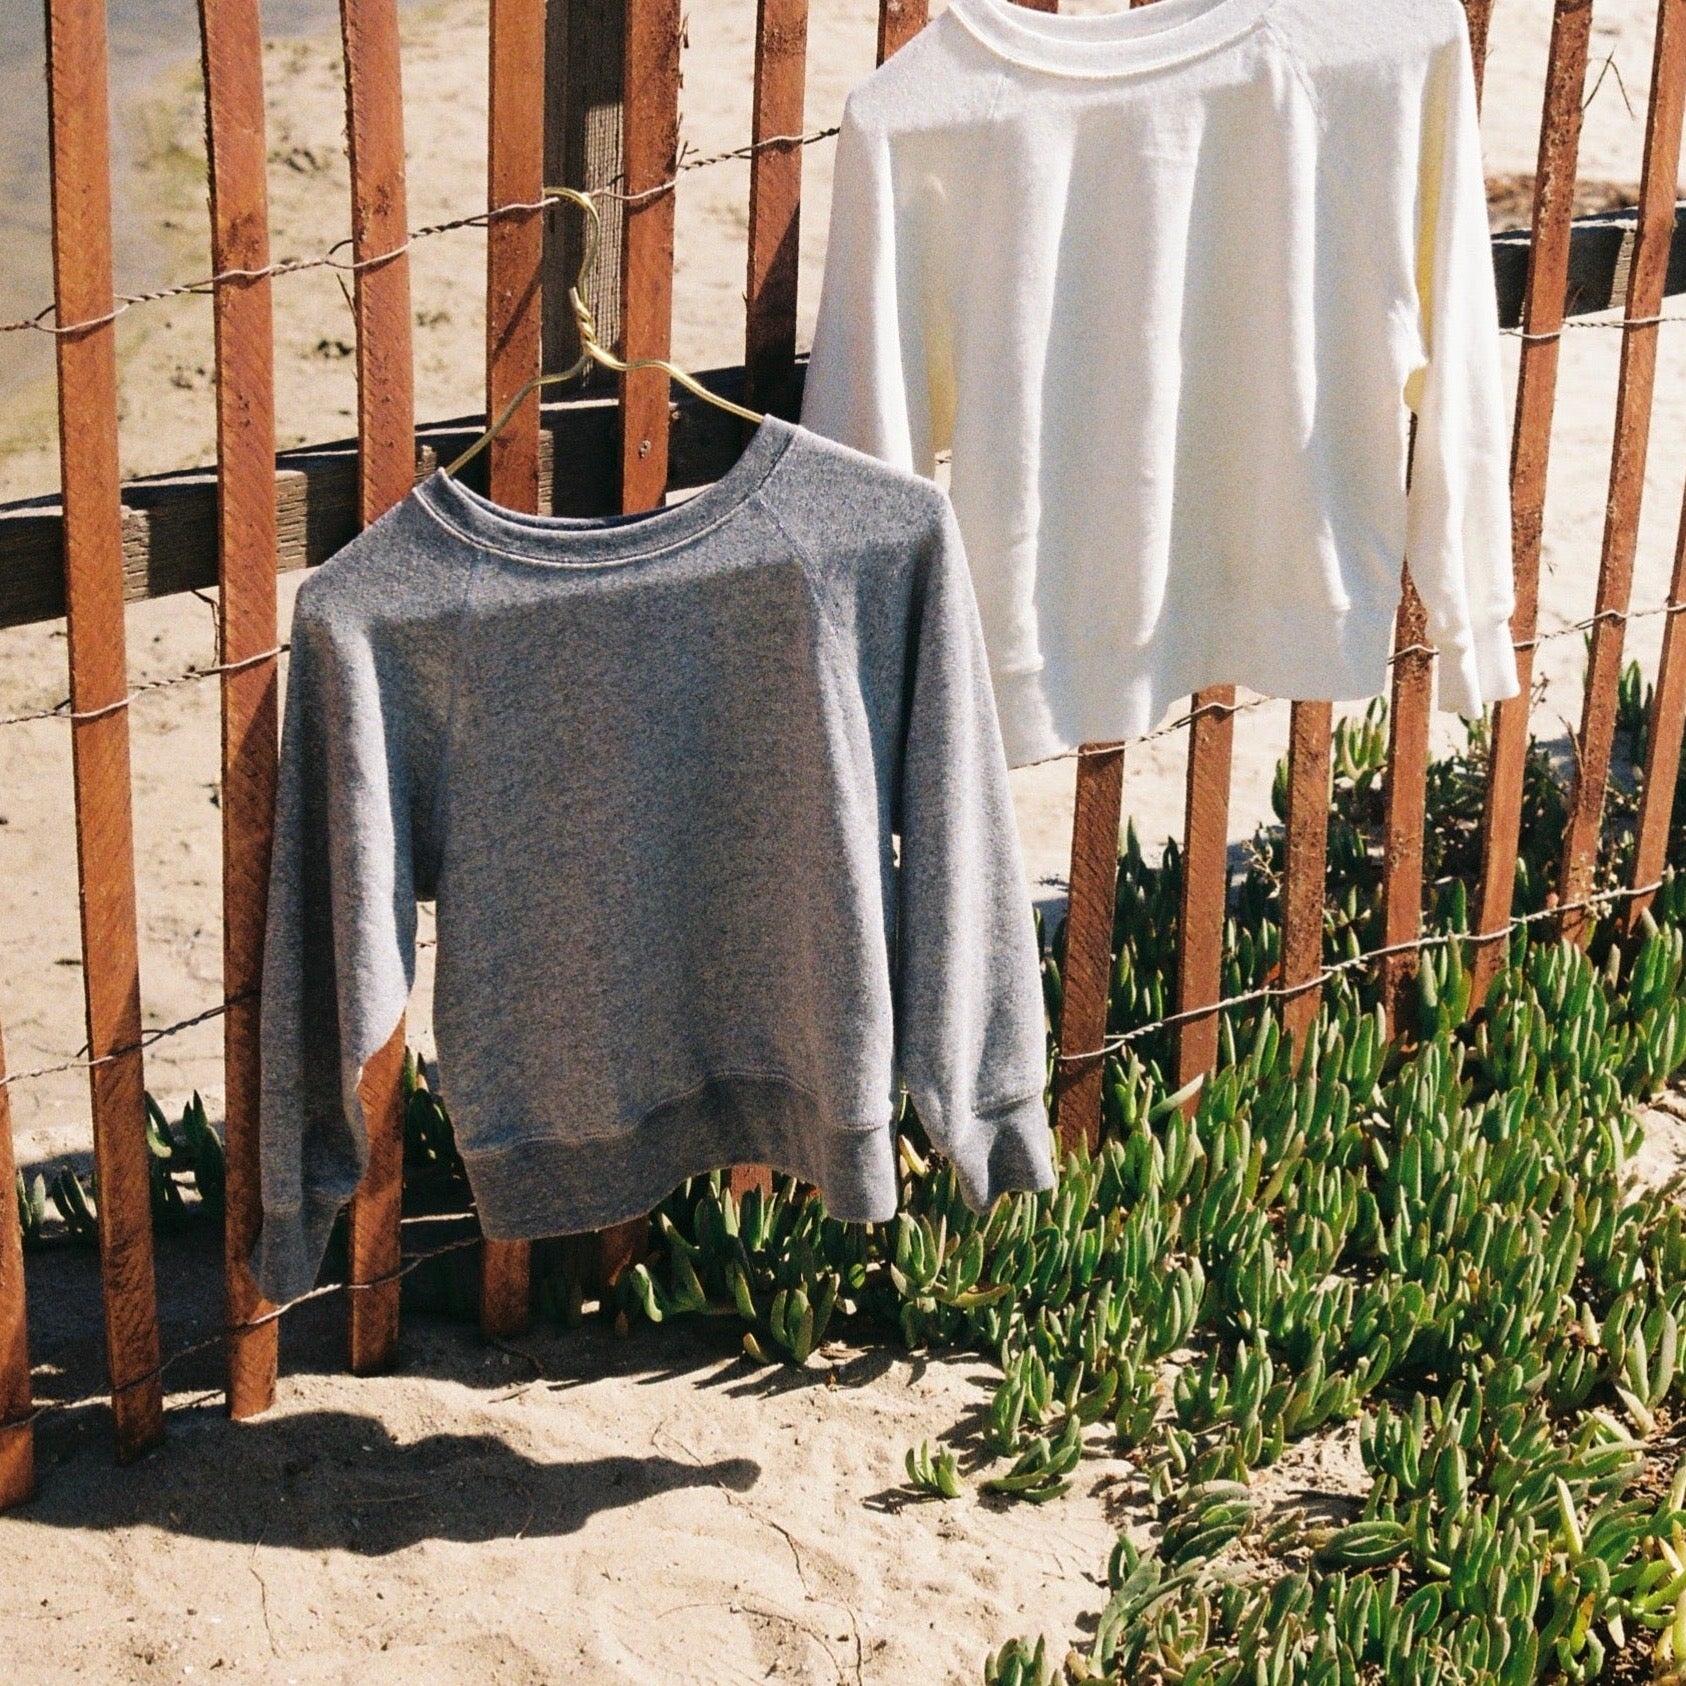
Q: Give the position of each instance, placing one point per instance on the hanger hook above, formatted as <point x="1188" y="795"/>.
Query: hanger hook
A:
<point x="591" y="350"/>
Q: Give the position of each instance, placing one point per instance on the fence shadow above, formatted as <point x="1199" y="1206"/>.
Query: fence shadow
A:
<point x="320" y="1480"/>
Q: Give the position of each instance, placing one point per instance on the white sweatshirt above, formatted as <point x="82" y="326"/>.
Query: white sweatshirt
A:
<point x="1168" y="283"/>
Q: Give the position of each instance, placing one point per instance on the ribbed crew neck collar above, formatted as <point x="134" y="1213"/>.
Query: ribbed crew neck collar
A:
<point x="1123" y="43"/>
<point x="568" y="541"/>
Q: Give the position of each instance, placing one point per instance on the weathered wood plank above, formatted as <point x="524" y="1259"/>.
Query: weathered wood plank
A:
<point x="898" y="22"/>
<point x="515" y="245"/>
<point x="385" y="472"/>
<point x="1666" y="724"/>
<point x="1307" y="853"/>
<point x="514" y="286"/>
<point x="1090" y="917"/>
<point x="775" y="205"/>
<point x="1627" y="469"/>
<point x="93" y="572"/>
<point x="232" y="44"/>
<point x="1549" y="245"/>
<point x="650" y="143"/>
<point x="1411" y="712"/>
<point x="1205" y="887"/>
<point x="17" y="1419"/>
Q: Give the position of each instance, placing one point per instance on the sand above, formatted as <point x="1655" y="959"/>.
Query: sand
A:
<point x="299" y="1551"/>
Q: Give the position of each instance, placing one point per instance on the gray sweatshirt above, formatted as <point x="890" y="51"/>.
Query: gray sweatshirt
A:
<point x="713" y="806"/>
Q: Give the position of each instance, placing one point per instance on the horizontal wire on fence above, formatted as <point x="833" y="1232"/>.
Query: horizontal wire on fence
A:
<point x="1620" y="324"/>
<point x="1357" y="963"/>
<point x="39" y="324"/>
<point x="146" y="1040"/>
<point x="63" y="711"/>
<point x="209" y="1342"/>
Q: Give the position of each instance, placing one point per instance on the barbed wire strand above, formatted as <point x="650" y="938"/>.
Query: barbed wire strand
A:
<point x="38" y="323"/>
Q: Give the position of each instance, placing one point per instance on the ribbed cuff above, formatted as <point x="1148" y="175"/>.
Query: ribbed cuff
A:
<point x="1006" y="1151"/>
<point x="289" y="1252"/>
<point x="1479" y="671"/>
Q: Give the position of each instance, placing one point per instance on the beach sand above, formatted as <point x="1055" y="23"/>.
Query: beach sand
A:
<point x="743" y="1527"/>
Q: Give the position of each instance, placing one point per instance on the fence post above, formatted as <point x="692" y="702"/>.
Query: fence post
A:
<point x="232" y="44"/>
<point x="17" y="1414"/>
<point x="898" y="22"/>
<point x="1205" y="887"/>
<point x="1306" y="855"/>
<point x="1536" y="399"/>
<point x="1091" y="914"/>
<point x="1405" y="793"/>
<point x="1410" y="714"/>
<point x="1647" y="280"/>
<point x="93" y="565"/>
<point x="775" y="205"/>
<point x="514" y="285"/>
<point x="386" y="466"/>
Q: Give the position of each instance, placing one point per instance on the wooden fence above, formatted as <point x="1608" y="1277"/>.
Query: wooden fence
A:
<point x="101" y="544"/>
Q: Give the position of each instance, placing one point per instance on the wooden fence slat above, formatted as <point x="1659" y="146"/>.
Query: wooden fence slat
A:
<point x="650" y="155"/>
<point x="17" y="1420"/>
<point x="650" y="143"/>
<point x="232" y="43"/>
<point x="93" y="558"/>
<point x="515" y="245"/>
<point x="385" y="471"/>
<point x="1090" y="917"/>
<point x="514" y="286"/>
<point x="1627" y="469"/>
<point x="1536" y="402"/>
<point x="1205" y="887"/>
<point x="1306" y="858"/>
<point x="775" y="205"/>
<point x="1405" y="793"/>
<point x="775" y="212"/>
<point x="1411" y="712"/>
<point x="898" y="22"/>
<point x="1662" y="750"/>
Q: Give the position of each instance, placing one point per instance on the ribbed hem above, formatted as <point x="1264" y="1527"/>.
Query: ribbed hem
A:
<point x="1007" y="1150"/>
<point x="1480" y="671"/>
<point x="555" y="1186"/>
<point x="289" y="1252"/>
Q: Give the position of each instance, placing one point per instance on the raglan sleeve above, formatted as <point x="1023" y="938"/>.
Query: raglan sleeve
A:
<point x="339" y="953"/>
<point x="971" y="1038"/>
<point x="869" y="380"/>
<point x="1459" y="535"/>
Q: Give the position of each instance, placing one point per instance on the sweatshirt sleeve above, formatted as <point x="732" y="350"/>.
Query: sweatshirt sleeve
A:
<point x="340" y="945"/>
<point x="971" y="1042"/>
<point x="867" y="386"/>
<point x="1459" y="538"/>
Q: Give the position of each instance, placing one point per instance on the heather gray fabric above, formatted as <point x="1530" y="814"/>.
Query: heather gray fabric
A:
<point x="652" y="770"/>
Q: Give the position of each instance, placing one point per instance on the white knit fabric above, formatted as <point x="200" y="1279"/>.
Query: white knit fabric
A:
<point x="1169" y="284"/>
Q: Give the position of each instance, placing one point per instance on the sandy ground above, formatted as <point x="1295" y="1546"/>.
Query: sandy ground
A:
<point x="566" y="1507"/>
<point x="646" y="1509"/>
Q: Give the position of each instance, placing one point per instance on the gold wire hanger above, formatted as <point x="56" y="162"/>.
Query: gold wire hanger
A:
<point x="591" y="350"/>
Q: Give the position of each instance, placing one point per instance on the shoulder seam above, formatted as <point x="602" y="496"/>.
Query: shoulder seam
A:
<point x="1302" y="72"/>
<point x="810" y="562"/>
